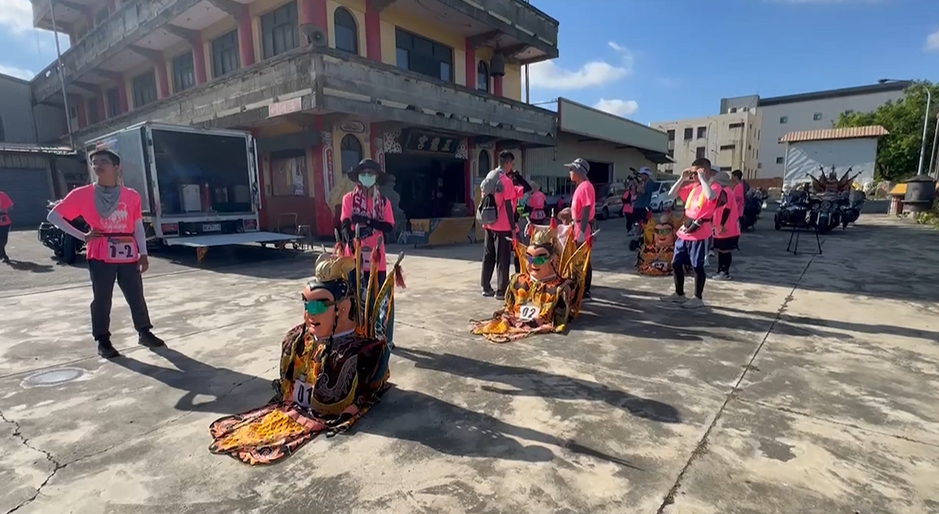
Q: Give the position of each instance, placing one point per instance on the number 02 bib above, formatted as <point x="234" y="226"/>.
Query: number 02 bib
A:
<point x="527" y="312"/>
<point x="121" y="250"/>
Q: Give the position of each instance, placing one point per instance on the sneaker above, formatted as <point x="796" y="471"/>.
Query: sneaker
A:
<point x="674" y="298"/>
<point x="693" y="303"/>
<point x="488" y="293"/>
<point x="587" y="295"/>
<point x="107" y="350"/>
<point x="500" y="294"/>
<point x="149" y="340"/>
<point x="727" y="276"/>
<point x="720" y="275"/>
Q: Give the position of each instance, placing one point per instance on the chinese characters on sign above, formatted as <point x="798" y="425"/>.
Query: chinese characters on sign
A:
<point x="432" y="143"/>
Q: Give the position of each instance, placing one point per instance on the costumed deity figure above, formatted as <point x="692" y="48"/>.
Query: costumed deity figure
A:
<point x="658" y="244"/>
<point x="831" y="184"/>
<point x="333" y="366"/>
<point x="546" y="293"/>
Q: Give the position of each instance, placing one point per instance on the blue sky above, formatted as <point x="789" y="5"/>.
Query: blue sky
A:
<point x="658" y="60"/>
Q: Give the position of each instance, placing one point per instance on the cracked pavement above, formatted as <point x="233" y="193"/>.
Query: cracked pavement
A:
<point x="809" y="385"/>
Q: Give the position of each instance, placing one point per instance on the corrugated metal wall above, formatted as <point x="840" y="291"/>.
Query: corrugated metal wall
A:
<point x="27" y="180"/>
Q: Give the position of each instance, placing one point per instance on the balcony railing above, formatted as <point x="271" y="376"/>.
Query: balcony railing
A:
<point x="331" y="81"/>
<point x="122" y="29"/>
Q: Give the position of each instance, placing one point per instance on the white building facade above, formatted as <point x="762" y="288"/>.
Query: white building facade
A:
<point x="803" y="112"/>
<point x="728" y="140"/>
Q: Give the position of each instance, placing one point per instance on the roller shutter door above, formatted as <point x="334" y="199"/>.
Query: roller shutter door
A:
<point x="29" y="188"/>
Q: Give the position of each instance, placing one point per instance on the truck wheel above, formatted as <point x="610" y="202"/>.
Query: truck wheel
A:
<point x="605" y="212"/>
<point x="69" y="249"/>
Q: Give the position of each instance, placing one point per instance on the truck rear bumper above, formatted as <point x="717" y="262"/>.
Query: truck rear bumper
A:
<point x="228" y="239"/>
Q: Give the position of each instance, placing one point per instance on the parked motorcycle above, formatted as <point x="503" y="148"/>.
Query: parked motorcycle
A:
<point x="851" y="205"/>
<point x="64" y="246"/>
<point x="801" y="209"/>
<point x="752" y="207"/>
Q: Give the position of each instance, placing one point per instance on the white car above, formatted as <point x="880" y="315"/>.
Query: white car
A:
<point x="660" y="199"/>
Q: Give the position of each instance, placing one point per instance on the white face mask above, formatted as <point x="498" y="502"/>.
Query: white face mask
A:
<point x="367" y="180"/>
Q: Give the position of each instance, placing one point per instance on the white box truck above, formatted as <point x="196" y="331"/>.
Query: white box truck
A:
<point x="199" y="187"/>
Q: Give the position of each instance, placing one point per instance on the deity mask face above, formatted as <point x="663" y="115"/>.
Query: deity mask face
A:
<point x="541" y="262"/>
<point x="323" y="315"/>
<point x="664" y="235"/>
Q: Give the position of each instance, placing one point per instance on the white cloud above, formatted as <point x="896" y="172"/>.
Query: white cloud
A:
<point x="547" y="75"/>
<point x="16" y="72"/>
<point x="16" y="15"/>
<point x="623" y="108"/>
<point x="932" y="42"/>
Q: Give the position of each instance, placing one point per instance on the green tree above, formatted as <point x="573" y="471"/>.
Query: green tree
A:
<point x="898" y="153"/>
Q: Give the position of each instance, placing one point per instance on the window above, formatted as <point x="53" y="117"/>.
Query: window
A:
<point x="347" y="35"/>
<point x="780" y="160"/>
<point x="817" y="116"/>
<point x="689" y="133"/>
<point x="350" y="152"/>
<point x="113" y="102"/>
<point x="423" y="56"/>
<point x="702" y="132"/>
<point x="184" y="72"/>
<point x="735" y="125"/>
<point x="728" y="147"/>
<point x="482" y="76"/>
<point x="279" y="30"/>
<point x="225" y="58"/>
<point x="733" y="110"/>
<point x="3" y="135"/>
<point x="73" y="111"/>
<point x="783" y="120"/>
<point x="671" y="135"/>
<point x="288" y="174"/>
<point x="759" y="165"/>
<point x="485" y="165"/>
<point x="91" y="109"/>
<point x="145" y="89"/>
<point x="700" y="152"/>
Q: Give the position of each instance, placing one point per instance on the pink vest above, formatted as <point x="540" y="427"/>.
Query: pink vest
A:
<point x="732" y="227"/>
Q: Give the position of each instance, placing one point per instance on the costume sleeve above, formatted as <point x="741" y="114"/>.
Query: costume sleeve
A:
<point x="508" y="193"/>
<point x="137" y="215"/>
<point x="387" y="223"/>
<point x="140" y="235"/>
<point x="346" y="211"/>
<point x="70" y="206"/>
<point x="724" y="216"/>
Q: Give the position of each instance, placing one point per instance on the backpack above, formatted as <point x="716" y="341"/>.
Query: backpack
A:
<point x="487" y="212"/>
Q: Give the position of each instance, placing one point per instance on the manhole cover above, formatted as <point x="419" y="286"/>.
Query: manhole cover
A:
<point x="53" y="377"/>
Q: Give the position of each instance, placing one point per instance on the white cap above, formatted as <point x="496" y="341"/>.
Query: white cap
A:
<point x="645" y="171"/>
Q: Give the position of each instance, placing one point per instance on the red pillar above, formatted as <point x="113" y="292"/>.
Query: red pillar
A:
<point x="163" y="81"/>
<point x="245" y="37"/>
<point x="198" y="59"/>
<point x="80" y="108"/>
<point x="470" y="65"/>
<point x="307" y="9"/>
<point x="497" y="85"/>
<point x="372" y="32"/>
<point x="122" y="95"/>
<point x="99" y="104"/>
<point x="468" y="174"/>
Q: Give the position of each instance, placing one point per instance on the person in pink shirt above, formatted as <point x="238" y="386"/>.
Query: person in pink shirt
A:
<point x="498" y="248"/>
<point x="726" y="226"/>
<point x="699" y="196"/>
<point x="536" y="204"/>
<point x="583" y="209"/>
<point x="5" y="205"/>
<point x="367" y="216"/>
<point x="115" y="247"/>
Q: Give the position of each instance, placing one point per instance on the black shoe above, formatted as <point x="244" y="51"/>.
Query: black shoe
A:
<point x="488" y="293"/>
<point x="149" y="340"/>
<point x="500" y="294"/>
<point x="107" y="350"/>
<point x="586" y="295"/>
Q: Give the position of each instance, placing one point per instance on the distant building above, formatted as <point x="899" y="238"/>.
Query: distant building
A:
<point x="781" y="115"/>
<point x="730" y="141"/>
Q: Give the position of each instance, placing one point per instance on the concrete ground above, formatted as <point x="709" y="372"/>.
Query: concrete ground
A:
<point x="809" y="386"/>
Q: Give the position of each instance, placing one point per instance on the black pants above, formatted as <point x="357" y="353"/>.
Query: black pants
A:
<point x="497" y="255"/>
<point x="128" y="278"/>
<point x="589" y="278"/>
<point x="4" y="237"/>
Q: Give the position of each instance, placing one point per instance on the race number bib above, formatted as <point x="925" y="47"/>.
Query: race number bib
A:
<point x="302" y="393"/>
<point x="121" y="250"/>
<point x="527" y="312"/>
